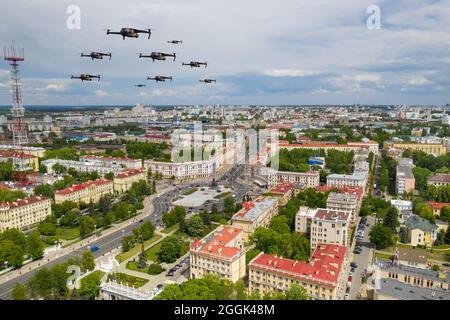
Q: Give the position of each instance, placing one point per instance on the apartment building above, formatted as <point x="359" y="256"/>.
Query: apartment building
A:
<point x="220" y="253"/>
<point x="347" y="180"/>
<point x="327" y="146"/>
<point x="405" y="181"/>
<point x="111" y="161"/>
<point x="186" y="170"/>
<point x="83" y="166"/>
<point x="29" y="161"/>
<point x="344" y="201"/>
<point x="321" y="276"/>
<point x="24" y="212"/>
<point x="421" y="231"/>
<point x="438" y="180"/>
<point x="255" y="214"/>
<point x="283" y="191"/>
<point x="87" y="192"/>
<point x="301" y="180"/>
<point x="429" y="148"/>
<point x="34" y="151"/>
<point x="125" y="179"/>
<point x="437" y="206"/>
<point x="373" y="146"/>
<point x="324" y="225"/>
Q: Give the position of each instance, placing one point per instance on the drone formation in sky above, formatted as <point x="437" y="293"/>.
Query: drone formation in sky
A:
<point x="155" y="56"/>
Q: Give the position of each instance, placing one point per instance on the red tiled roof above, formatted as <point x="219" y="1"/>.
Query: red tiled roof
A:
<point x="15" y="154"/>
<point x="345" y="189"/>
<point x="218" y="244"/>
<point x="331" y="214"/>
<point x="246" y="207"/>
<point x="438" y="205"/>
<point x="82" y="186"/>
<point x="321" y="145"/>
<point x="23" y="202"/>
<point x="440" y="178"/>
<point x="282" y="188"/>
<point x="156" y="136"/>
<point x="325" y="265"/>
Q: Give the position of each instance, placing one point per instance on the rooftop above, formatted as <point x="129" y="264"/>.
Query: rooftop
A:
<point x="331" y="214"/>
<point x="282" y="188"/>
<point x="444" y="178"/>
<point x="218" y="243"/>
<point x="82" y="186"/>
<point x="22" y="202"/>
<point x="324" y="266"/>
<point x="402" y="291"/>
<point x="129" y="172"/>
<point x="253" y="209"/>
<point x="416" y="222"/>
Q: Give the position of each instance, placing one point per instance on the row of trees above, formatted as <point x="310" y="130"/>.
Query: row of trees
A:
<point x="144" y="150"/>
<point x="215" y="288"/>
<point x="15" y="247"/>
<point x="51" y="284"/>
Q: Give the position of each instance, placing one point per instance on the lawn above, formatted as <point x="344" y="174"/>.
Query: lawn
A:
<point x="430" y="253"/>
<point x="137" y="248"/>
<point x="170" y="229"/>
<point x="152" y="253"/>
<point x="67" y="233"/>
<point x="382" y="256"/>
<point x="130" y="280"/>
<point x="132" y="265"/>
<point x="191" y="191"/>
<point x="222" y="195"/>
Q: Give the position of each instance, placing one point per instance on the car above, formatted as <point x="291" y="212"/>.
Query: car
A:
<point x="446" y="264"/>
<point x="347" y="296"/>
<point x="159" y="286"/>
<point x="350" y="278"/>
<point x="142" y="220"/>
<point x="349" y="284"/>
<point x="352" y="270"/>
<point x="347" y="290"/>
<point x="93" y="248"/>
<point x="169" y="274"/>
<point x="353" y="264"/>
<point x="357" y="250"/>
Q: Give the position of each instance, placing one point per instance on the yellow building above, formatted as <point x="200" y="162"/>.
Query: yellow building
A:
<point x="255" y="214"/>
<point x="30" y="161"/>
<point x="421" y="231"/>
<point x="24" y="212"/>
<point x="220" y="253"/>
<point x="124" y="180"/>
<point x="321" y="277"/>
<point x="429" y="148"/>
<point x="87" y="192"/>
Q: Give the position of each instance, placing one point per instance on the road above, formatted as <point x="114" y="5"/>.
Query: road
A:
<point x="362" y="259"/>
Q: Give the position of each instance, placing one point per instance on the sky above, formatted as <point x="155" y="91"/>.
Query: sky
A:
<point x="260" y="51"/>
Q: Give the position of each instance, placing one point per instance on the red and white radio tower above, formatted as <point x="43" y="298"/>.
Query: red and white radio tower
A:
<point x="18" y="126"/>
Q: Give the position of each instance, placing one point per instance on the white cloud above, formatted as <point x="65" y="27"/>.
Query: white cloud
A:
<point x="55" y="87"/>
<point x="419" y="81"/>
<point x="142" y="94"/>
<point x="100" y="93"/>
<point x="288" y="73"/>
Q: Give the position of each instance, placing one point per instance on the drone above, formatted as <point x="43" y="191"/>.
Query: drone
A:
<point x="130" y="32"/>
<point x="195" y="64"/>
<point x="140" y="85"/>
<point x="208" y="80"/>
<point x="85" y="77"/>
<point x="158" y="56"/>
<point x="160" y="78"/>
<point x="175" y="42"/>
<point x="97" y="55"/>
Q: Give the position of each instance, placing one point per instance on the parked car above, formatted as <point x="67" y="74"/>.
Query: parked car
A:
<point x="352" y="270"/>
<point x="347" y="296"/>
<point x="357" y="250"/>
<point x="159" y="286"/>
<point x="350" y="278"/>
<point x="353" y="264"/>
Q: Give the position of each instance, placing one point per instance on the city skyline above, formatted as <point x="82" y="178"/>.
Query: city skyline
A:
<point x="289" y="52"/>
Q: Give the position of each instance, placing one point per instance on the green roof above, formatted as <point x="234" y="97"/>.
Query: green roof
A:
<point x="416" y="222"/>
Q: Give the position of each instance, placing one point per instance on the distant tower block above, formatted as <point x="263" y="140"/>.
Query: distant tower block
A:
<point x="18" y="126"/>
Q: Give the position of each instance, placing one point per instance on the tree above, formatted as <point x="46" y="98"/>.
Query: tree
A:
<point x="42" y="168"/>
<point x="445" y="214"/>
<point x="381" y="236"/>
<point x="87" y="261"/>
<point x="35" y="246"/>
<point x="104" y="204"/>
<point x="228" y="204"/>
<point x="280" y="224"/>
<point x="391" y="219"/>
<point x="59" y="169"/>
<point x="155" y="269"/>
<point x="404" y="236"/>
<point x="127" y="243"/>
<point x="109" y="176"/>
<point x="195" y="226"/>
<point x="44" y="190"/>
<point x="421" y="175"/>
<point x="87" y="226"/>
<point x="147" y="230"/>
<point x="90" y="285"/>
<point x="447" y="236"/>
<point x="47" y="228"/>
<point x="170" y="250"/>
<point x="11" y="253"/>
<point x="6" y="170"/>
<point x="20" y="292"/>
<point x="176" y="215"/>
<point x="296" y="292"/>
